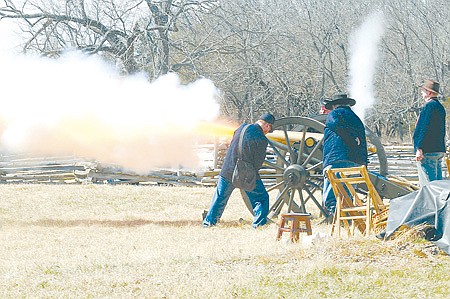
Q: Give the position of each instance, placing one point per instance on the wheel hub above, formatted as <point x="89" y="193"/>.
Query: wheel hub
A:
<point x="295" y="176"/>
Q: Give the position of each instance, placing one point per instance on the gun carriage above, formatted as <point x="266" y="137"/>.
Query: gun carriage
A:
<point x="292" y="171"/>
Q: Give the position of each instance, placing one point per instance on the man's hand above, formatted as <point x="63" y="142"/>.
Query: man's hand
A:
<point x="419" y="154"/>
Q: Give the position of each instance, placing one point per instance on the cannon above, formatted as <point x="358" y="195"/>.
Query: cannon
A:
<point x="292" y="171"/>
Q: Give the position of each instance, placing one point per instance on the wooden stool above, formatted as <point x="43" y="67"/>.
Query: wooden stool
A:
<point x="295" y="220"/>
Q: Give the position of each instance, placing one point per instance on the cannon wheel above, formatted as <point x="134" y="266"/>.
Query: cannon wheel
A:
<point x="293" y="169"/>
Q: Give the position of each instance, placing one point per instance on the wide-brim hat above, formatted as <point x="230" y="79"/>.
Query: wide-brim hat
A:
<point x="325" y="101"/>
<point x="431" y="85"/>
<point x="339" y="99"/>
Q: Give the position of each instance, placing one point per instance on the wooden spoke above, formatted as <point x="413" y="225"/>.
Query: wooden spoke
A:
<point x="288" y="142"/>
<point x="311" y="155"/>
<point x="315" y="166"/>
<point x="279" y="155"/>
<point x="302" y="144"/>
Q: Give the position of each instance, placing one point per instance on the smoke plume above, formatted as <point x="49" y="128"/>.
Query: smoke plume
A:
<point x="80" y="105"/>
<point x="364" y="57"/>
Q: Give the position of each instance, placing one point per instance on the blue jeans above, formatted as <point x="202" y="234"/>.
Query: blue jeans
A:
<point x="430" y="168"/>
<point x="259" y="199"/>
<point x="328" y="197"/>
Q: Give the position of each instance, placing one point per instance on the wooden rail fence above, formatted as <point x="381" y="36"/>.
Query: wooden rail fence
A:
<point x="28" y="168"/>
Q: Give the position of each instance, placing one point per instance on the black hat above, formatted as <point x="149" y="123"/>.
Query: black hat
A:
<point x="339" y="99"/>
<point x="268" y="118"/>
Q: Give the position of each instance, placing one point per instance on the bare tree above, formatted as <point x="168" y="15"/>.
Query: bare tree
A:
<point x="415" y="48"/>
<point x="265" y="55"/>
<point x="133" y="33"/>
<point x="244" y="43"/>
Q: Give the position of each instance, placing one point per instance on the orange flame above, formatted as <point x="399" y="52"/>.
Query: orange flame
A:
<point x="215" y="129"/>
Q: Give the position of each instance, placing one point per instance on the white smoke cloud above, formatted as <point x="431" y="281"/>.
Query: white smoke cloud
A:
<point x="364" y="43"/>
<point x="81" y="105"/>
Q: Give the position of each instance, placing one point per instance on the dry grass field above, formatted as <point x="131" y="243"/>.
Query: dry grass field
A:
<point x="102" y="241"/>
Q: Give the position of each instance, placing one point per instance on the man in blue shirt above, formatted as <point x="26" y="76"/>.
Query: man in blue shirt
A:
<point x="254" y="146"/>
<point x="344" y="142"/>
<point x="429" y="135"/>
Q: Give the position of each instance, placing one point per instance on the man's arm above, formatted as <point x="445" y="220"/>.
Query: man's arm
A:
<point x="259" y="150"/>
<point x="420" y="131"/>
<point x="334" y="123"/>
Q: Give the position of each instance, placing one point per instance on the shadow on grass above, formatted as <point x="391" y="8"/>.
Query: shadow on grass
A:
<point x="124" y="223"/>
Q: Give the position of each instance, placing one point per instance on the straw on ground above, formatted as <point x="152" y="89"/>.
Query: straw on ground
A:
<point x="101" y="241"/>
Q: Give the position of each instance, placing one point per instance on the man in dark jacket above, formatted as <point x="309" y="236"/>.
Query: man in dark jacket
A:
<point x="429" y="135"/>
<point x="344" y="142"/>
<point x="254" y="146"/>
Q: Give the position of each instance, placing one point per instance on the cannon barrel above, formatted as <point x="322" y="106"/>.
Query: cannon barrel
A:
<point x="295" y="151"/>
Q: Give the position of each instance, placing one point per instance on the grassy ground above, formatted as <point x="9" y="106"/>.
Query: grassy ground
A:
<point x="101" y="241"/>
